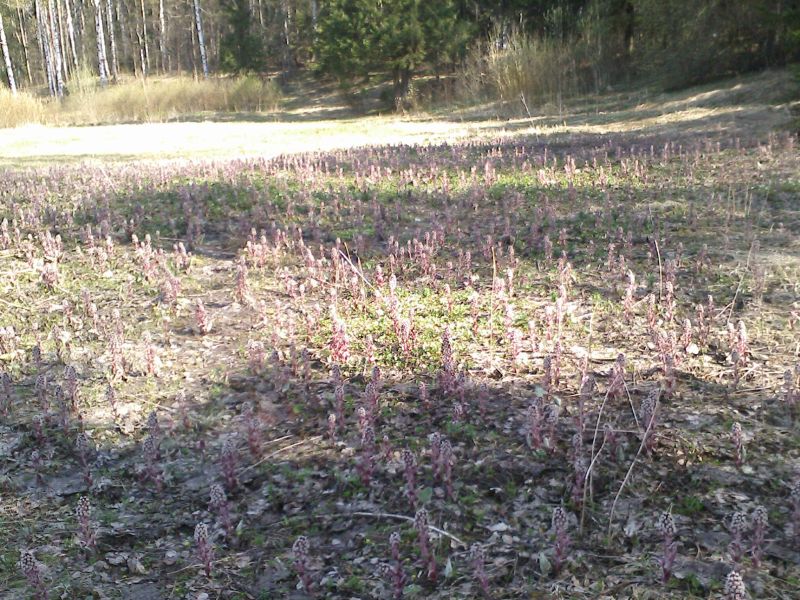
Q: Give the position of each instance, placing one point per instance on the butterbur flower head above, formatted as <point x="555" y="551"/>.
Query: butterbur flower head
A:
<point x="332" y="425"/>
<point x="421" y="521"/>
<point x="201" y="534"/>
<point x="445" y="452"/>
<point x="435" y="440"/>
<point x="368" y="437"/>
<point x="477" y="553"/>
<point x="734" y="587"/>
<point x="759" y="517"/>
<point x="201" y="318"/>
<point x="83" y="509"/>
<point x="409" y="462"/>
<point x="152" y="423"/>
<point x="736" y="433"/>
<point x="394" y="544"/>
<point x="794" y="494"/>
<point x="217" y="496"/>
<point x="149" y="448"/>
<point x="665" y="524"/>
<point x="28" y="564"/>
<point x="647" y="410"/>
<point x="738" y="524"/>
<point x="559" y="519"/>
<point x="300" y="549"/>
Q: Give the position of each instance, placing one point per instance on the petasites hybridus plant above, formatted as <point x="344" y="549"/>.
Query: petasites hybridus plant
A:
<point x="152" y="470"/>
<point x="204" y="547"/>
<point x="86" y="532"/>
<point x="737" y="437"/>
<point x="669" y="548"/>
<point x="410" y="474"/>
<point x="738" y="526"/>
<point x="228" y="460"/>
<point x="33" y="572"/>
<point x="446" y="461"/>
<point x="218" y="502"/>
<point x="396" y="574"/>
<point x="561" y="540"/>
<point x="477" y="559"/>
<point x="300" y="550"/>
<point x="82" y="447"/>
<point x="734" y="587"/>
<point x="447" y="375"/>
<point x="421" y="524"/>
<point x="759" y="519"/>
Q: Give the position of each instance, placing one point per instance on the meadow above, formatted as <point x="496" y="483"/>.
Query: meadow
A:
<point x="542" y="358"/>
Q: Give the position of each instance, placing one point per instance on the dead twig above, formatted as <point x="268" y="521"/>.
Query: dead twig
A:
<point x="633" y="462"/>
<point x="356" y="270"/>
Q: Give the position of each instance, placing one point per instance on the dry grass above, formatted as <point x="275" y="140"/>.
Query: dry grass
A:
<point x="22" y="108"/>
<point x="535" y="70"/>
<point x="154" y="100"/>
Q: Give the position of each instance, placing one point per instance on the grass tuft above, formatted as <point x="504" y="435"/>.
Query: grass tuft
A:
<point x="136" y="100"/>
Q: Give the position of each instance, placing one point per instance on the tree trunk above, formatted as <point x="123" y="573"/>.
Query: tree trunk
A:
<point x="71" y="33"/>
<point x="112" y="40"/>
<point x="145" y="46"/>
<point x="162" y="37"/>
<point x="82" y="31"/>
<point x="12" y="83"/>
<point x="62" y="36"/>
<point x="44" y="47"/>
<point x="194" y="52"/>
<point x="57" y="55"/>
<point x="200" y="41"/>
<point x="102" y="59"/>
<point x="23" y="41"/>
<point x="402" y="84"/>
<point x="127" y="41"/>
<point x="287" y="26"/>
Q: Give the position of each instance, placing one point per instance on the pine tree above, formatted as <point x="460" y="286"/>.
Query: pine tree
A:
<point x="242" y="48"/>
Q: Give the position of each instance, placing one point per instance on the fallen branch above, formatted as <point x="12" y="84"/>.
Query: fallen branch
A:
<point x="279" y="451"/>
<point x="401" y="518"/>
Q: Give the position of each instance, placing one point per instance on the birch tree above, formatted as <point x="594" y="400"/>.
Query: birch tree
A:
<point x="43" y="38"/>
<point x="71" y="34"/>
<point x="23" y="41"/>
<point x="162" y="37"/>
<point x="12" y="83"/>
<point x="102" y="59"/>
<point x="55" y="41"/>
<point x="200" y="39"/>
<point x="112" y="38"/>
